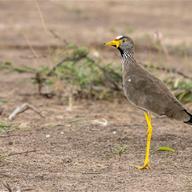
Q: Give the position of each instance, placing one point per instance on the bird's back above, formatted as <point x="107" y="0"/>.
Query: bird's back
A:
<point x="149" y="93"/>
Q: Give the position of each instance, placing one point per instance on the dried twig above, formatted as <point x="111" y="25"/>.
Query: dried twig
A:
<point x="168" y="70"/>
<point x="31" y="48"/>
<point x="23" y="108"/>
<point x="158" y="38"/>
<point x="102" y="122"/>
<point x="20" y="153"/>
<point x="45" y="28"/>
<point x="108" y="77"/>
<point x="56" y="36"/>
<point x="75" y="59"/>
<point x="91" y="173"/>
<point x="7" y="186"/>
<point x="39" y="80"/>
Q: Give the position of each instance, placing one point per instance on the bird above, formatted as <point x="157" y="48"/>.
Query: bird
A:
<point x="146" y="92"/>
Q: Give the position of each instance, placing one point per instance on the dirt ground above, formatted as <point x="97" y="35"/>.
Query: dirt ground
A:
<point x="72" y="151"/>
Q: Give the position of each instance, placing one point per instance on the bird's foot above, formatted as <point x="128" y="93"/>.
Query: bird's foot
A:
<point x="145" y="166"/>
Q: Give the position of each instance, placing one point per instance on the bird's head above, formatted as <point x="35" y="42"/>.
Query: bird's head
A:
<point x="123" y="43"/>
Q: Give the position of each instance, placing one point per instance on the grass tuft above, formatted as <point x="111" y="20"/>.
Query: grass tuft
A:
<point x="119" y="149"/>
<point x="4" y="126"/>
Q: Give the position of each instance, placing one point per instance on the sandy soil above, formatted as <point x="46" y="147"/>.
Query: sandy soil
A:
<point x="71" y="150"/>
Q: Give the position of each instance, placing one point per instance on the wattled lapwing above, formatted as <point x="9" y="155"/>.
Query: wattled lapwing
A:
<point x="146" y="92"/>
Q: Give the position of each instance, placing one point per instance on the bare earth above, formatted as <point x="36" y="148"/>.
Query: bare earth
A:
<point x="71" y="151"/>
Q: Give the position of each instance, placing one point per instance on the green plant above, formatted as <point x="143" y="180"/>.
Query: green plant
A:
<point x="119" y="149"/>
<point x="165" y="148"/>
<point x="4" y="126"/>
<point x="86" y="77"/>
<point x="182" y="89"/>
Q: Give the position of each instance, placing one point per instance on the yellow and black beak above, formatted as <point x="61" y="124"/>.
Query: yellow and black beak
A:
<point x="115" y="43"/>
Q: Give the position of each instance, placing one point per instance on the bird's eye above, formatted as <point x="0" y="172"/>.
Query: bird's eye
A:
<point x="124" y="40"/>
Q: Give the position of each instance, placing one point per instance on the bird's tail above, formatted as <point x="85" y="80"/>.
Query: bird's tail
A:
<point x="190" y="120"/>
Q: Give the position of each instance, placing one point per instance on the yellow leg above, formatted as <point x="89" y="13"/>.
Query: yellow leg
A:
<point x="149" y="135"/>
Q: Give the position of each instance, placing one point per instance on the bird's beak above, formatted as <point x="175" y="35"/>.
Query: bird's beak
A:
<point x="115" y="43"/>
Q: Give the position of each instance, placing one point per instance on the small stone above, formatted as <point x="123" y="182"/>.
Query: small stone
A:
<point x="47" y="136"/>
<point x="10" y="143"/>
<point x="67" y="160"/>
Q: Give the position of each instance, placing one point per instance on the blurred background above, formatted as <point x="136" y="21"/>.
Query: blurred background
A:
<point x="36" y="33"/>
<point x="52" y="60"/>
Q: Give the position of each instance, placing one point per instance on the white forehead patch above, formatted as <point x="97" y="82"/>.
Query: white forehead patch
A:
<point x="118" y="37"/>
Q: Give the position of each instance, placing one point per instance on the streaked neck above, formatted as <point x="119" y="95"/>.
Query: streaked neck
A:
<point x="128" y="58"/>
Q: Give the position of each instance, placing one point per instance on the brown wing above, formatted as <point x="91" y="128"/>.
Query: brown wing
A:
<point x="148" y="92"/>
